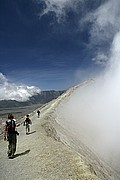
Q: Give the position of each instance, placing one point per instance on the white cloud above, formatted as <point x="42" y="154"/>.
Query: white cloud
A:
<point x="12" y="91"/>
<point x="101" y="58"/>
<point x="2" y="78"/>
<point x="108" y="13"/>
<point x="105" y="22"/>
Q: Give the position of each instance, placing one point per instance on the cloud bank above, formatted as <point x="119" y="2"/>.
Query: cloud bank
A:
<point x="11" y="91"/>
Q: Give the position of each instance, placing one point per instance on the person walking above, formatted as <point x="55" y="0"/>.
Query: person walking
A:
<point x="10" y="134"/>
<point x="27" y="123"/>
<point x="38" y="112"/>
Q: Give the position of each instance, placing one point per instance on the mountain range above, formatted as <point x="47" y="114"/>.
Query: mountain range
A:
<point x="42" y="98"/>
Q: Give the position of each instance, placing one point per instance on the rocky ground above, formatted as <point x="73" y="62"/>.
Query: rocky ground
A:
<point x="47" y="153"/>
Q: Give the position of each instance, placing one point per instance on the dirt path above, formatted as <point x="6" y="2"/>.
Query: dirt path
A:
<point x="41" y="157"/>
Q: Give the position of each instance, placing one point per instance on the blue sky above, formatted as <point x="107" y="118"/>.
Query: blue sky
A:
<point x="53" y="44"/>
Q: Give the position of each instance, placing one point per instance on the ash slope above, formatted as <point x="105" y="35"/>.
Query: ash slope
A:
<point x="49" y="152"/>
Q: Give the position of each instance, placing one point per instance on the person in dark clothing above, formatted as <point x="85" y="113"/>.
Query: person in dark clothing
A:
<point x="38" y="112"/>
<point x="10" y="135"/>
<point x="27" y="122"/>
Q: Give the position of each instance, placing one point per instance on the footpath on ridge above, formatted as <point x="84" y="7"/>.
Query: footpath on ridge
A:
<point x="41" y="155"/>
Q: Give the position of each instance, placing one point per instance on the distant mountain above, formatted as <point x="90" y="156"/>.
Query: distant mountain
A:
<point x="42" y="98"/>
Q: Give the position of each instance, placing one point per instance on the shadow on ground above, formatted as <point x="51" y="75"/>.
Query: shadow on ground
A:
<point x="23" y="153"/>
<point x="31" y="132"/>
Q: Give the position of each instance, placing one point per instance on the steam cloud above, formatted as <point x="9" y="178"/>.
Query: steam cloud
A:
<point x="11" y="91"/>
<point x="93" y="112"/>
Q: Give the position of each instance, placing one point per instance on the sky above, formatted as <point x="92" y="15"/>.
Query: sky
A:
<point x="54" y="44"/>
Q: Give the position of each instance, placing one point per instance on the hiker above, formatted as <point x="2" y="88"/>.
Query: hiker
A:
<point x="10" y="134"/>
<point x="27" y="122"/>
<point x="38" y="112"/>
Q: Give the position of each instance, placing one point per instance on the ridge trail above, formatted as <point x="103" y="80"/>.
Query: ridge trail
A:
<point x="41" y="155"/>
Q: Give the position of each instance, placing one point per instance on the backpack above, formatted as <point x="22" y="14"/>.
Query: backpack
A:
<point x="28" y="121"/>
<point x="10" y="126"/>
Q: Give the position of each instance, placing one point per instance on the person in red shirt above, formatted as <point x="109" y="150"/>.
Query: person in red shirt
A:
<point x="10" y="135"/>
